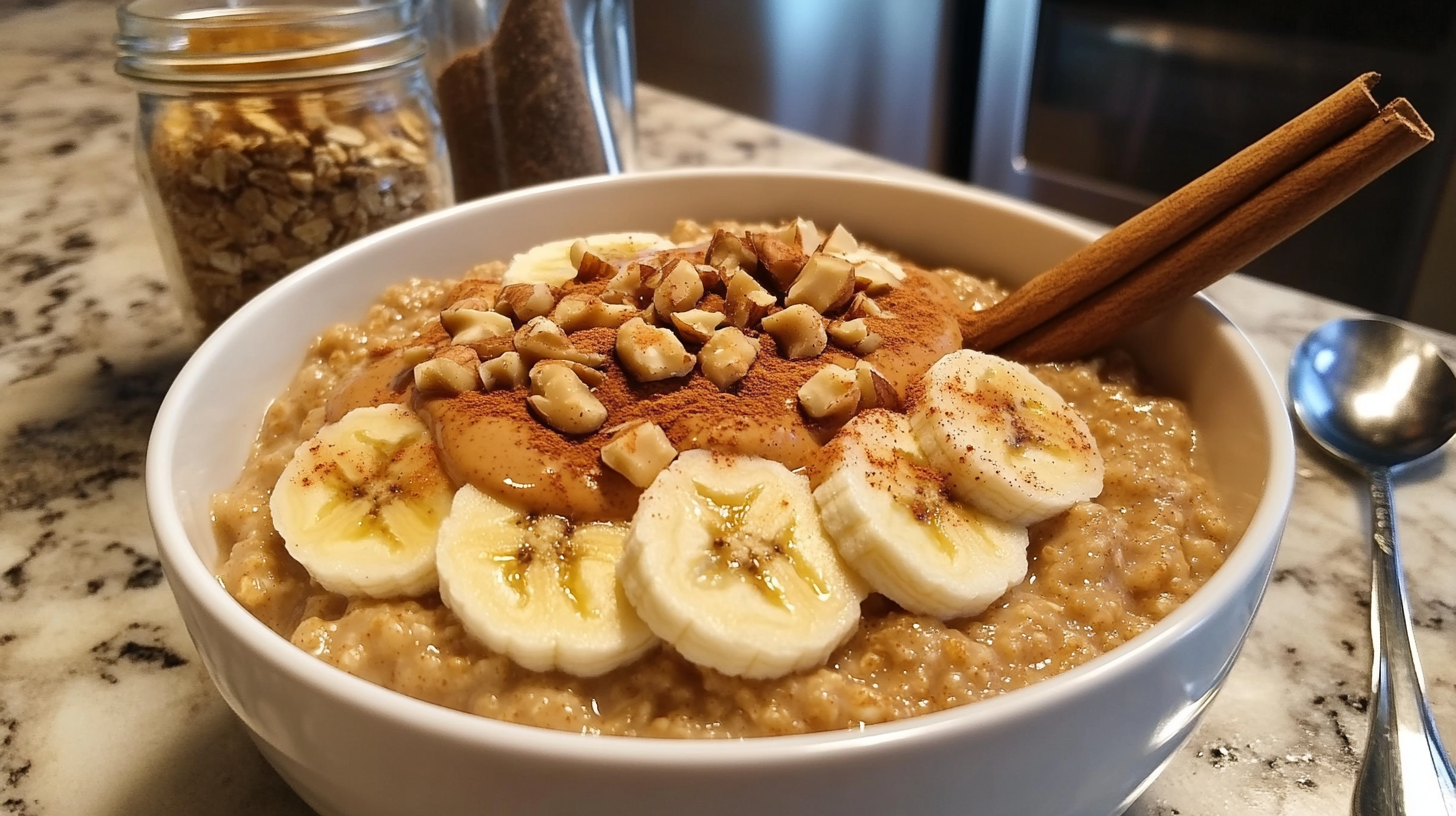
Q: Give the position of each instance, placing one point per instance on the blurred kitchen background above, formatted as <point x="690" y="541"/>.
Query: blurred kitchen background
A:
<point x="1099" y="107"/>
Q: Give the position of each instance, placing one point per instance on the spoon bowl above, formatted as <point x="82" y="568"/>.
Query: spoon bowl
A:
<point x="1379" y="397"/>
<point x="1373" y="393"/>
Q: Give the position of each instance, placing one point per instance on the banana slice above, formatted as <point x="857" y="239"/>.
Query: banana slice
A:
<point x="551" y="263"/>
<point x="538" y="589"/>
<point x="726" y="560"/>
<point x="360" y="504"/>
<point x="1009" y="444"/>
<point x="888" y="514"/>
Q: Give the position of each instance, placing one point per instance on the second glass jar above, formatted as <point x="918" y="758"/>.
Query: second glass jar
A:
<point x="533" y="91"/>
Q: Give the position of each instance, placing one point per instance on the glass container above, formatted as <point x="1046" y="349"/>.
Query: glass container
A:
<point x="533" y="91"/>
<point x="272" y="133"/>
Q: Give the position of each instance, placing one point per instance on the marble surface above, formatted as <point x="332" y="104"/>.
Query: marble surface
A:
<point x="104" y="706"/>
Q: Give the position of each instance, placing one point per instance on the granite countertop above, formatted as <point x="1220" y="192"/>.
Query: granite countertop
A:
<point x="104" y="706"/>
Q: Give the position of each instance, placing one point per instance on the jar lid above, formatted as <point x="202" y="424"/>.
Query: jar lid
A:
<point x="200" y="40"/>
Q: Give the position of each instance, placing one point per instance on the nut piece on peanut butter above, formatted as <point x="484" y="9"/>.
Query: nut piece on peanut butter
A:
<point x="746" y="301"/>
<point x="626" y="287"/>
<point x="832" y="394"/>
<point x="453" y="372"/>
<point x="560" y="399"/>
<point x="696" y="325"/>
<point x="854" y="335"/>
<point x="711" y="276"/>
<point x="839" y="241"/>
<point x="798" y="331"/>
<point x="414" y="355"/>
<point x="468" y="325"/>
<point x="826" y="283"/>
<point x="540" y="339"/>
<point x="781" y="261"/>
<point x="525" y="301"/>
<point x="590" y="267"/>
<point x="727" y="250"/>
<point x="681" y="289"/>
<point x="874" y="390"/>
<point x="862" y="305"/>
<point x="579" y="310"/>
<point x="800" y="233"/>
<point x="503" y="373"/>
<point x="650" y="353"/>
<point x="874" y="279"/>
<point x="640" y="452"/>
<point x="727" y="357"/>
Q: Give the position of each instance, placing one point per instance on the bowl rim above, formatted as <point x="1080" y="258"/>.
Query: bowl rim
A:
<point x="188" y="573"/>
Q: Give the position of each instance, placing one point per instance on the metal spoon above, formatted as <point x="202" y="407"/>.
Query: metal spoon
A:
<point x="1379" y="397"/>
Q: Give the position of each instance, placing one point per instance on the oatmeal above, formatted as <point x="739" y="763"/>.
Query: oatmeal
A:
<point x="706" y="410"/>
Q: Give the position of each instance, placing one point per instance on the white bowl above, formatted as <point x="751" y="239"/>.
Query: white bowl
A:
<point x="1085" y="742"/>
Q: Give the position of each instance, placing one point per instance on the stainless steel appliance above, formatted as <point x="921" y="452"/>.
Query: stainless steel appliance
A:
<point x="1099" y="107"/>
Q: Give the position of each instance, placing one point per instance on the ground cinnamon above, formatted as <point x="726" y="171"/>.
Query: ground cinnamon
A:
<point x="1155" y="229"/>
<point x="516" y="110"/>
<point x="1232" y="239"/>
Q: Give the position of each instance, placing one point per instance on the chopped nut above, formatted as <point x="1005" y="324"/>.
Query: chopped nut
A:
<point x="540" y="339"/>
<point x="800" y="233"/>
<point x="862" y="305"/>
<point x="839" y="241"/>
<point x="848" y="333"/>
<point x="746" y="301"/>
<point x="711" y="277"/>
<point x="525" y="301"/>
<point x="592" y="268"/>
<point x="453" y="372"/>
<point x="680" y="290"/>
<point x="560" y="399"/>
<point x="626" y="286"/>
<point x="590" y="376"/>
<point x="578" y="252"/>
<point x="579" y="310"/>
<point x="873" y="278"/>
<point x="489" y="348"/>
<point x="727" y="357"/>
<point x="473" y="325"/>
<point x="832" y="394"/>
<point x="696" y="325"/>
<point x="639" y="452"/>
<point x="414" y="355"/>
<point x="650" y="354"/>
<point x="506" y="372"/>
<point x="781" y="261"/>
<point x="727" y="249"/>
<point x="652" y="277"/>
<point x="798" y="331"/>
<point x="874" y="390"/>
<point x="481" y="300"/>
<point x="826" y="283"/>
<point x="854" y="335"/>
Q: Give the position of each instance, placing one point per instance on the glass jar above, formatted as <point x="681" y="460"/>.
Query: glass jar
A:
<point x="533" y="91"/>
<point x="270" y="134"/>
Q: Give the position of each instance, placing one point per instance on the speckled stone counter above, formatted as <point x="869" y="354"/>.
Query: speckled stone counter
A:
<point x="104" y="707"/>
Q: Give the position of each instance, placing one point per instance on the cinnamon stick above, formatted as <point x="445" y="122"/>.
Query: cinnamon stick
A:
<point x="1232" y="239"/>
<point x="1160" y="226"/>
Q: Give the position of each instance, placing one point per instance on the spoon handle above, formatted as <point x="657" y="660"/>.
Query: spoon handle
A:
<point x="1406" y="771"/>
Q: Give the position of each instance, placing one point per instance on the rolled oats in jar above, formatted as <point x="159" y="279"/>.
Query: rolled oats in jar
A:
<point x="271" y="134"/>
